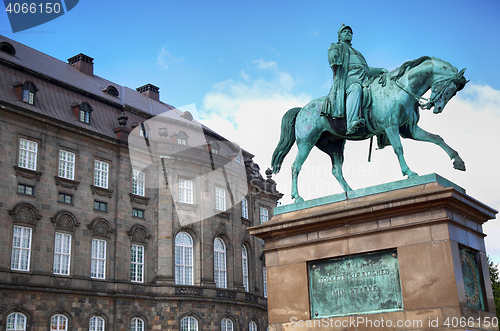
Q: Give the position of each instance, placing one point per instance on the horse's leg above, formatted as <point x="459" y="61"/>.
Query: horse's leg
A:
<point x="303" y="152"/>
<point x="393" y="135"/>
<point x="422" y="135"/>
<point x="335" y="149"/>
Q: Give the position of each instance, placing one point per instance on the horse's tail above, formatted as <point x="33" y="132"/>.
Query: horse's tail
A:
<point x="287" y="139"/>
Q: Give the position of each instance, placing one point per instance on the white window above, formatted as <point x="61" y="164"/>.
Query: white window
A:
<point x="98" y="260"/>
<point x="138" y="182"/>
<point x="264" y="215"/>
<point x="264" y="277"/>
<point x="220" y="199"/>
<point x="27" y="154"/>
<point x="244" y="208"/>
<point x="185" y="191"/>
<point x="16" y="322"/>
<point x="59" y="322"/>
<point x="226" y="325"/>
<point x="183" y="259"/>
<point x="189" y="324"/>
<point x="21" y="249"/>
<point x="252" y="326"/>
<point x="101" y="172"/>
<point x="96" y="324"/>
<point x="137" y="263"/>
<point x="244" y="266"/>
<point x="62" y="253"/>
<point x="219" y="263"/>
<point x="66" y="164"/>
<point x="137" y="324"/>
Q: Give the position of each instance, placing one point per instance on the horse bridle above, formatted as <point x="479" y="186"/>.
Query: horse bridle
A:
<point x="457" y="78"/>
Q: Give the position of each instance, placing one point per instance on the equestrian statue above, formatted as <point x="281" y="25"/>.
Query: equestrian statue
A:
<point x="365" y="102"/>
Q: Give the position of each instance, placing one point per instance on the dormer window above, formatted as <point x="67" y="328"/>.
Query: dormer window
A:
<point x="214" y="147"/>
<point x="29" y="90"/>
<point x="182" y="138"/>
<point x="111" y="90"/>
<point x="84" y="112"/>
<point x="7" y="48"/>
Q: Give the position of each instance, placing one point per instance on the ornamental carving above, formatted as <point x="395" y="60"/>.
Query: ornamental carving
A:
<point x="100" y="227"/>
<point x="138" y="233"/>
<point x="139" y="199"/>
<point x="190" y="291"/>
<point x="103" y="192"/>
<point x="65" y="220"/>
<point x="27" y="173"/>
<point x="66" y="183"/>
<point x="226" y="294"/>
<point x="25" y="213"/>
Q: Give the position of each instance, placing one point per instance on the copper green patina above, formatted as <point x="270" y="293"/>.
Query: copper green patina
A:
<point x="366" y="102"/>
<point x="360" y="284"/>
<point x="472" y="278"/>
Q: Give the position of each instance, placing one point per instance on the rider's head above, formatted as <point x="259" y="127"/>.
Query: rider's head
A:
<point x="345" y="33"/>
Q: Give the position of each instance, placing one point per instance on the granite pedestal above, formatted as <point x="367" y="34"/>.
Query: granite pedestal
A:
<point x="431" y="228"/>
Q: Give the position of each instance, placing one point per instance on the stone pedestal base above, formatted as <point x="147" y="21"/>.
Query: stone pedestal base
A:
<point x="429" y="226"/>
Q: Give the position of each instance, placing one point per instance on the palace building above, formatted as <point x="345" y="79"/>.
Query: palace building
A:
<point x="119" y="211"/>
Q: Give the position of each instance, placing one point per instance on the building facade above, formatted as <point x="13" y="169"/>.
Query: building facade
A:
<point x="118" y="211"/>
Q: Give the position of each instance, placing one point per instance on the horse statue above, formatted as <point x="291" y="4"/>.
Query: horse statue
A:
<point x="391" y="111"/>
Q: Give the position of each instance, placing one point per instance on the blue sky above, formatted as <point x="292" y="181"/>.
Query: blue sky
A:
<point x="243" y="64"/>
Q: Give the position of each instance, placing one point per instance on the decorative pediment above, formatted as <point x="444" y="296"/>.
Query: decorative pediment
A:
<point x="100" y="227"/>
<point x="138" y="233"/>
<point x="25" y="213"/>
<point x="65" y="220"/>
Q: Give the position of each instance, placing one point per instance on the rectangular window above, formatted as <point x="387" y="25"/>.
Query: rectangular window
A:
<point x="84" y="116"/>
<point x="138" y="213"/>
<point x="62" y="253"/>
<point x="101" y="172"/>
<point x="28" y="97"/>
<point x="66" y="164"/>
<point x="98" y="260"/>
<point x="27" y="154"/>
<point x="21" y="249"/>
<point x="264" y="277"/>
<point x="66" y="198"/>
<point x="137" y="263"/>
<point x="220" y="199"/>
<point x="138" y="180"/>
<point x="244" y="208"/>
<point x="24" y="189"/>
<point x="264" y="215"/>
<point x="102" y="206"/>
<point x="185" y="191"/>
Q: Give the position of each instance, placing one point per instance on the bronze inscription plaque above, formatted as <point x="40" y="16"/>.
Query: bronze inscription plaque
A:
<point x="359" y="284"/>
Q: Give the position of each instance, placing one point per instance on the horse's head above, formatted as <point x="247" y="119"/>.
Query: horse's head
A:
<point x="444" y="88"/>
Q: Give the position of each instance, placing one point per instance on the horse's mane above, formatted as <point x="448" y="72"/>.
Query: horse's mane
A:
<point x="409" y="65"/>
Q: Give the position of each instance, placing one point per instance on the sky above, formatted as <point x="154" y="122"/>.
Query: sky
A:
<point x="242" y="64"/>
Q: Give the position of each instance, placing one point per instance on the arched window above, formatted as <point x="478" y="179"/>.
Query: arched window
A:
<point x="226" y="325"/>
<point x="59" y="322"/>
<point x="85" y="110"/>
<point x="244" y="266"/>
<point x="183" y="259"/>
<point x="189" y="323"/>
<point x="219" y="263"/>
<point x="252" y="326"/>
<point x="137" y="324"/>
<point x="7" y="48"/>
<point x="16" y="322"/>
<point x="96" y="324"/>
<point x="111" y="90"/>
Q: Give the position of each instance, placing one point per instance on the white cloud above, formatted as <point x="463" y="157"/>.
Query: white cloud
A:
<point x="264" y="65"/>
<point x="249" y="112"/>
<point x="165" y="59"/>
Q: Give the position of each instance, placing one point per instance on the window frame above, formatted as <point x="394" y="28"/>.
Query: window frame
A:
<point x="264" y="281"/>
<point x="137" y="267"/>
<point x="101" y="176"/>
<point x="24" y="186"/>
<point x="21" y="249"/>
<point x="186" y="193"/>
<point x="62" y="254"/>
<point x="84" y="112"/>
<point x="229" y="325"/>
<point x="244" y="208"/>
<point x="189" y="320"/>
<point x="262" y="215"/>
<point x="252" y="326"/>
<point x="220" y="264"/>
<point x="28" y="93"/>
<point x="96" y="267"/>
<point x="63" y="165"/>
<point x="182" y="250"/>
<point x="23" y="160"/>
<point x="138" y="183"/>
<point x="220" y="199"/>
<point x="137" y="211"/>
<point x="65" y="195"/>
<point x="96" y="327"/>
<point x="133" y="325"/>
<point x="58" y="317"/>
<point x="101" y="203"/>
<point x="16" y="315"/>
<point x="244" y="268"/>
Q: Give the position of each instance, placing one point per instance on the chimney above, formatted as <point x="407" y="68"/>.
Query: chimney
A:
<point x="83" y="63"/>
<point x="150" y="91"/>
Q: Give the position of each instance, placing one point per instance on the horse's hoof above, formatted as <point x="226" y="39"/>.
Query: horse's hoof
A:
<point x="299" y="199"/>
<point x="412" y="175"/>
<point x="459" y="165"/>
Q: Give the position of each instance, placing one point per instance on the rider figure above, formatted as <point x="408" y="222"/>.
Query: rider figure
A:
<point x="350" y="72"/>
